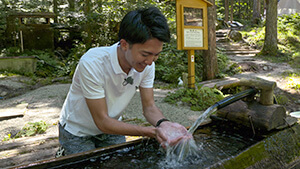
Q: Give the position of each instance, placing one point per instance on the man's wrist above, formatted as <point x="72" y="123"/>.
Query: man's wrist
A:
<point x="160" y="121"/>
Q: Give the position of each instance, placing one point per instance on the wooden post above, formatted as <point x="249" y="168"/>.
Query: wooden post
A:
<point x="22" y="42"/>
<point x="191" y="69"/>
<point x="267" y="89"/>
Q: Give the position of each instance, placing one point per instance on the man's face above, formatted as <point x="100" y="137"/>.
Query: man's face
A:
<point x="140" y="55"/>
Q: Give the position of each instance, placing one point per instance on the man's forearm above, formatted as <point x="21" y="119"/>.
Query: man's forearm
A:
<point x="109" y="125"/>
<point x="113" y="126"/>
<point x="153" y="114"/>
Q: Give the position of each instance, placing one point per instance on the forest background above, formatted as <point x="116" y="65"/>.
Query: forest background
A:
<point x="97" y="21"/>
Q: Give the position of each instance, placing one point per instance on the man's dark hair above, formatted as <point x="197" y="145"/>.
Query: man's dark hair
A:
<point x="140" y="25"/>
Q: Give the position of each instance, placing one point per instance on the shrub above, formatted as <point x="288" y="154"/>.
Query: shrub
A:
<point x="31" y="129"/>
<point x="198" y="99"/>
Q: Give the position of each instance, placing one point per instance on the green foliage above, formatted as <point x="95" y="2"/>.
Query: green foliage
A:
<point x="46" y="63"/>
<point x="293" y="79"/>
<point x="255" y="36"/>
<point x="11" y="51"/>
<point x="223" y="62"/>
<point x="296" y="87"/>
<point x="282" y="99"/>
<point x="198" y="99"/>
<point x="7" y="138"/>
<point x="288" y="39"/>
<point x="68" y="65"/>
<point x="242" y="10"/>
<point x="7" y="74"/>
<point x="31" y="129"/>
<point x="231" y="70"/>
<point x="170" y="64"/>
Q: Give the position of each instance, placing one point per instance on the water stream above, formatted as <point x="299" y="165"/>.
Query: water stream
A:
<point x="188" y="148"/>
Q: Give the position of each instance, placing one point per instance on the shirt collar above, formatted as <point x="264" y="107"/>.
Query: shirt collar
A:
<point x="115" y="62"/>
<point x="114" y="59"/>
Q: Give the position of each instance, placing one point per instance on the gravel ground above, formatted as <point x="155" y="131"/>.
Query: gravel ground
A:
<point x="41" y="104"/>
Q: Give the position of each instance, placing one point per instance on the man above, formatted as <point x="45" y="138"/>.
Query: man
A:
<point x="106" y="79"/>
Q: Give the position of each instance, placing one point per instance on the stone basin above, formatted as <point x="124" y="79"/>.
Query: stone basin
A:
<point x="22" y="64"/>
<point x="238" y="148"/>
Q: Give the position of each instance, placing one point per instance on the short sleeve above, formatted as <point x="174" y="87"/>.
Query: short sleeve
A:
<point x="91" y="80"/>
<point x="148" y="79"/>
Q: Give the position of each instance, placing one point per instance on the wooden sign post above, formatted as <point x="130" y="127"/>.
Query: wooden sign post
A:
<point x="191" y="22"/>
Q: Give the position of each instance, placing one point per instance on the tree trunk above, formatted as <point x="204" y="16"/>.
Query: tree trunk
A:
<point x="210" y="64"/>
<point x="246" y="11"/>
<point x="226" y="5"/>
<point x="239" y="12"/>
<point x="256" y="11"/>
<point x="265" y="9"/>
<point x="249" y="10"/>
<point x="270" y="44"/>
<point x="55" y="10"/>
<point x="71" y="5"/>
<point x="88" y="30"/>
<point x="231" y="11"/>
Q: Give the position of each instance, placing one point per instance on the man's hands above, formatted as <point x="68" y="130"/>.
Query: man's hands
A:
<point x="169" y="133"/>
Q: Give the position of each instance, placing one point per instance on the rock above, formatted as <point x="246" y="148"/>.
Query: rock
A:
<point x="3" y="93"/>
<point x="235" y="35"/>
<point x="265" y="68"/>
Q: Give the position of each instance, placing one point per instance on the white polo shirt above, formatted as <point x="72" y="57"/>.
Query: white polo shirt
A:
<point x="99" y="75"/>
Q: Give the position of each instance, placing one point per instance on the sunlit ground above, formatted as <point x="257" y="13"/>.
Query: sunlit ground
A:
<point x="131" y="138"/>
<point x="294" y="82"/>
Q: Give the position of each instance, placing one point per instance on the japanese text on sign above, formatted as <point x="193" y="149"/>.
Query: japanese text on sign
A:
<point x="193" y="37"/>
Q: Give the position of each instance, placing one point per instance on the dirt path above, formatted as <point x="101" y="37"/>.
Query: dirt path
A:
<point x="44" y="103"/>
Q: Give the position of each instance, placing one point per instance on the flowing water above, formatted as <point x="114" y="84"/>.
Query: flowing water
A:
<point x="188" y="148"/>
<point x="201" y="118"/>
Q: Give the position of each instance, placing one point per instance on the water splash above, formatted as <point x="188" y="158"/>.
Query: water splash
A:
<point x="187" y="147"/>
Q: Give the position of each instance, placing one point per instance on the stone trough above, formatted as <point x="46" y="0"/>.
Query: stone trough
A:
<point x="22" y="64"/>
<point x="280" y="149"/>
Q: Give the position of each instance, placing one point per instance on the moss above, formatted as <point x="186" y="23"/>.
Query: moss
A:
<point x="248" y="157"/>
<point x="276" y="151"/>
<point x="282" y="99"/>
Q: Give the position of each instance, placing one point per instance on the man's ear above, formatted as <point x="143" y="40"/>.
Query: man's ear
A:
<point x="124" y="44"/>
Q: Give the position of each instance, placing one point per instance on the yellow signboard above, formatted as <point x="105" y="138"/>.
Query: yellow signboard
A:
<point x="191" y="22"/>
<point x="191" y="19"/>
